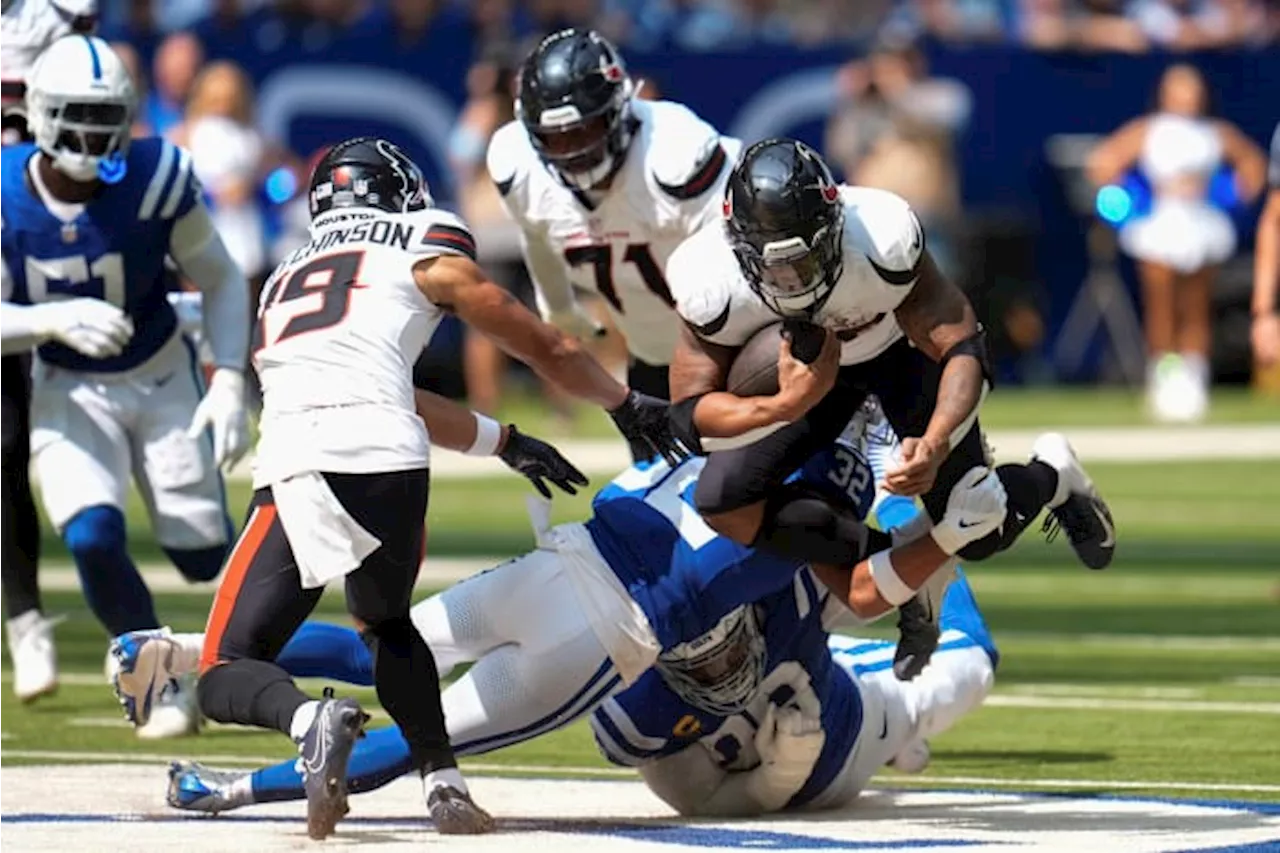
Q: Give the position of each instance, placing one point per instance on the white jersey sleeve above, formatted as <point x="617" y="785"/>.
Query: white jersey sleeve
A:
<point x="510" y="160"/>
<point x="687" y="163"/>
<point x="443" y="233"/>
<point x="881" y="227"/>
<point x="711" y="294"/>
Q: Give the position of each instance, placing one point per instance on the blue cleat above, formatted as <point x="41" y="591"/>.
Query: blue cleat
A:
<point x="323" y="753"/>
<point x="196" y="788"/>
<point x="140" y="665"/>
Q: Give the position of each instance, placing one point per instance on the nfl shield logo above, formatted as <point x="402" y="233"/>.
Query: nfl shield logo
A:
<point x="69" y="232"/>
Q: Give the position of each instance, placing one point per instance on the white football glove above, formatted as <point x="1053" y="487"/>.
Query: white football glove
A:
<point x="89" y="326"/>
<point x="190" y="310"/>
<point x="789" y="742"/>
<point x="576" y="322"/>
<point x="222" y="410"/>
<point x="976" y="507"/>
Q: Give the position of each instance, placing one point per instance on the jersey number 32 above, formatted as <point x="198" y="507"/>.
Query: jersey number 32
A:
<point x="312" y="297"/>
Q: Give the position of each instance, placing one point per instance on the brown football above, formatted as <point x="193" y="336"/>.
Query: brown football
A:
<point x="754" y="373"/>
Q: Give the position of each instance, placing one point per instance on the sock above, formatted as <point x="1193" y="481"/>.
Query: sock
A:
<point x="114" y="590"/>
<point x="188" y="654"/>
<point x="23" y="623"/>
<point x="302" y="720"/>
<point x="800" y="524"/>
<point x="321" y="650"/>
<point x="445" y="777"/>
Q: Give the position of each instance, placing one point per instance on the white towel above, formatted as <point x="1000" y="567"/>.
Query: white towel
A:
<point x="327" y="542"/>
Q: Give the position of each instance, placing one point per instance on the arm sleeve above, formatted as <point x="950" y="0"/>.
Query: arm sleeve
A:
<point x="203" y="258"/>
<point x="1273" y="167"/>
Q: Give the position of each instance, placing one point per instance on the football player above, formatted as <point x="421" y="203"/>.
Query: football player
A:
<point x="88" y="220"/>
<point x="342" y="468"/>
<point x="556" y="631"/>
<point x="825" y="718"/>
<point x="26" y="28"/>
<point x="847" y="269"/>
<point x="604" y="186"/>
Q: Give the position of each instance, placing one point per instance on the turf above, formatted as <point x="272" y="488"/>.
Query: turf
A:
<point x="1188" y="613"/>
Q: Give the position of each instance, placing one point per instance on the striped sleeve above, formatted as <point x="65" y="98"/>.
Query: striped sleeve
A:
<point x="173" y="188"/>
<point x="702" y="178"/>
<point x="620" y="740"/>
<point x="448" y="238"/>
<point x="1273" y="169"/>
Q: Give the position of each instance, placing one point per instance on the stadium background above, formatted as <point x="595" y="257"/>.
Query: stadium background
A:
<point x="1157" y="676"/>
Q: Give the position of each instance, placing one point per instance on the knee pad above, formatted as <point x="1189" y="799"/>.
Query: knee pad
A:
<point x="96" y="531"/>
<point x="199" y="564"/>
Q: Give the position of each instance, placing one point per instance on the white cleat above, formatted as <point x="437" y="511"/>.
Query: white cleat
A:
<point x="1076" y="507"/>
<point x="175" y="713"/>
<point x="913" y="758"/>
<point x="34" y="656"/>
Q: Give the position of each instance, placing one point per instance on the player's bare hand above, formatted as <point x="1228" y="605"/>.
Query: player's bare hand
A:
<point x="1266" y="339"/>
<point x="921" y="459"/>
<point x="538" y="461"/>
<point x="802" y="386"/>
<point x="89" y="326"/>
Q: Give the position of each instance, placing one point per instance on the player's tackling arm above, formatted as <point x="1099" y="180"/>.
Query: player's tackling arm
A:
<point x="691" y="783"/>
<point x="195" y="245"/>
<point x="458" y="285"/>
<point x="938" y="319"/>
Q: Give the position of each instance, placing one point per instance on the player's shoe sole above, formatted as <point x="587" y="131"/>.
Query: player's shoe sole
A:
<point x="455" y="813"/>
<point x="139" y="662"/>
<point x="1083" y="514"/>
<point x="323" y="755"/>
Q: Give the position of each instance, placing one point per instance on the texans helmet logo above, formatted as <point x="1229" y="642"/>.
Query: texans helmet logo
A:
<point x="726" y="206"/>
<point x="830" y="193"/>
<point x="611" y="71"/>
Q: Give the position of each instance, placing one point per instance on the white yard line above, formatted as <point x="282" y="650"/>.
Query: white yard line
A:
<point x="895" y="779"/>
<point x="1101" y="704"/>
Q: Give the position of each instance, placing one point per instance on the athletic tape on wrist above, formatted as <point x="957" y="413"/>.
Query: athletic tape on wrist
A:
<point x="488" y="436"/>
<point x="887" y="579"/>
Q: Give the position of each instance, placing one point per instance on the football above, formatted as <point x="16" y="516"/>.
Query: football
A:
<point x="754" y="373"/>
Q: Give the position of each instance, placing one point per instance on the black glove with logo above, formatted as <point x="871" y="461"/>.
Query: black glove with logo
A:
<point x="646" y="419"/>
<point x="538" y="461"/>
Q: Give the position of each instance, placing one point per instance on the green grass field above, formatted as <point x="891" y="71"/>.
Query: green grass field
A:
<point x="1164" y="670"/>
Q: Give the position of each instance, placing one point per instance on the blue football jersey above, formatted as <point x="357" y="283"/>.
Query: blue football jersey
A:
<point x="682" y="574"/>
<point x="114" y="250"/>
<point x="648" y="720"/>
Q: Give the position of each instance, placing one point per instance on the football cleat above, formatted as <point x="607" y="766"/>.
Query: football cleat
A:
<point x="455" y="813"/>
<point x="139" y="667"/>
<point x="323" y="753"/>
<point x="918" y="629"/>
<point x="913" y="758"/>
<point x="1076" y="507"/>
<point x="196" y="788"/>
<point x="34" y="656"/>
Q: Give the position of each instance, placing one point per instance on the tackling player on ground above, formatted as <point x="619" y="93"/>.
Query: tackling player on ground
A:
<point x="89" y="217"/>
<point x="28" y="27"/>
<point x="604" y="186"/>
<point x="342" y="469"/>
<point x="793" y="245"/>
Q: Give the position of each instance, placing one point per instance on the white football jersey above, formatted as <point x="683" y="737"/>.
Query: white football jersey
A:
<point x="670" y="185"/>
<point x="340" y="324"/>
<point x="883" y="245"/>
<point x="27" y="27"/>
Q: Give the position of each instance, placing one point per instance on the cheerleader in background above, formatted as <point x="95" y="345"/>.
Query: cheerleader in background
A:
<point x="1180" y="244"/>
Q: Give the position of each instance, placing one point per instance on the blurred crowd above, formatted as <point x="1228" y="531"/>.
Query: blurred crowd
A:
<point x="708" y="25"/>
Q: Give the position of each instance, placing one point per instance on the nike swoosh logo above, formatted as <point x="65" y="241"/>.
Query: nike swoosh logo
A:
<point x="968" y="524"/>
<point x="314" y="762"/>
<point x="163" y="380"/>
<point x="716" y="324"/>
<point x="884" y="727"/>
<point x="1110" y="540"/>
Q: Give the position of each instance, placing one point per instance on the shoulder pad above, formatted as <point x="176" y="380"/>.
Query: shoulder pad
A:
<point x="686" y="156"/>
<point x="444" y="233"/>
<point x="711" y="295"/>
<point x="508" y="156"/>
<point x="884" y="228"/>
<point x="164" y="169"/>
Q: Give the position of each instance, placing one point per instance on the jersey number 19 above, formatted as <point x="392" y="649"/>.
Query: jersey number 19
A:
<point x="327" y="281"/>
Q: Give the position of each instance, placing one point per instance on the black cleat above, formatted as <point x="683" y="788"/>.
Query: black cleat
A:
<point x="455" y="813"/>
<point x="918" y="629"/>
<point x="1083" y="514"/>
<point x="323" y="754"/>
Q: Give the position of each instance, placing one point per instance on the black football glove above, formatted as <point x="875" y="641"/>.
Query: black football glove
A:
<point x="538" y="461"/>
<point x="646" y="419"/>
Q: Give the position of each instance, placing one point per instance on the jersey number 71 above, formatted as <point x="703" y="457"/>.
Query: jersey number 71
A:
<point x="326" y="284"/>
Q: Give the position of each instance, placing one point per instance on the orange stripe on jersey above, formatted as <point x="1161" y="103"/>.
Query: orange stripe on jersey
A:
<point x="247" y="547"/>
<point x="449" y="237"/>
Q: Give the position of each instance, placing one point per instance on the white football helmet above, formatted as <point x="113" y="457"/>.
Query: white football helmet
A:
<point x="720" y="671"/>
<point x="80" y="107"/>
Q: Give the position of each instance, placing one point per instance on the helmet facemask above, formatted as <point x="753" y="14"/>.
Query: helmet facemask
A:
<point x="86" y="137"/>
<point x="793" y="277"/>
<point x="584" y="150"/>
<point x="721" y="671"/>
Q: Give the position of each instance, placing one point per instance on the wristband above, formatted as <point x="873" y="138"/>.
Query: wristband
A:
<point x="887" y="580"/>
<point x="488" y="437"/>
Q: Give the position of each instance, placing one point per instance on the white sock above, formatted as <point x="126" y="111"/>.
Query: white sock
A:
<point x="302" y="720"/>
<point x="1198" y="366"/>
<point x="450" y="777"/>
<point x="188" y="656"/>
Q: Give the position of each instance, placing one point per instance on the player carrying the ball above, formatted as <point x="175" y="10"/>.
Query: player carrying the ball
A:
<point x="864" y="311"/>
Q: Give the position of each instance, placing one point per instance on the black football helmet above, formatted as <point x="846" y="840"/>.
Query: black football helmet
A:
<point x="575" y="101"/>
<point x="785" y="220"/>
<point x="367" y="172"/>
